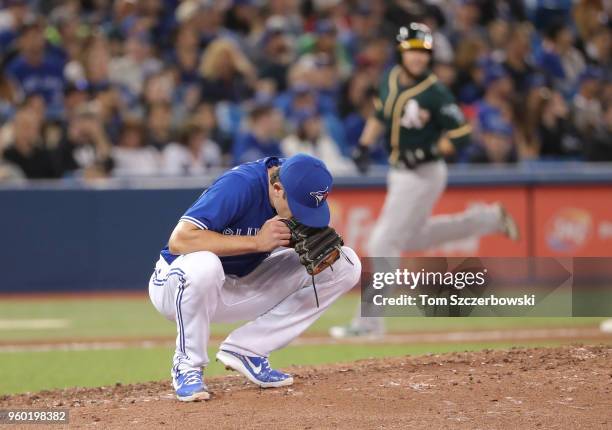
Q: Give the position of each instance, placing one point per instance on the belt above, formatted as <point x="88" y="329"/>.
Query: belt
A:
<point x="413" y="158"/>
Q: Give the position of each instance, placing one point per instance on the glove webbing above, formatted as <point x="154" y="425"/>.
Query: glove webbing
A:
<point x="301" y="247"/>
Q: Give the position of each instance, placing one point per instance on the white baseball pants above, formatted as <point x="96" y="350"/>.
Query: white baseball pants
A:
<point x="406" y="224"/>
<point x="277" y="298"/>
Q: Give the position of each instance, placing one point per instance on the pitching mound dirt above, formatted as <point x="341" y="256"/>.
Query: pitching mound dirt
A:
<point x="548" y="388"/>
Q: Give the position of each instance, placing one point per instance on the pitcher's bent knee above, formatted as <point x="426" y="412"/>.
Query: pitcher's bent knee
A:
<point x="203" y="269"/>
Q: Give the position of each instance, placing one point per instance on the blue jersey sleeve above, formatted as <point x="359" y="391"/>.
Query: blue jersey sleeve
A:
<point x="219" y="205"/>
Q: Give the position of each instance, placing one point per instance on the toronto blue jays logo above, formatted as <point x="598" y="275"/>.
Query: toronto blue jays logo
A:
<point x="320" y="196"/>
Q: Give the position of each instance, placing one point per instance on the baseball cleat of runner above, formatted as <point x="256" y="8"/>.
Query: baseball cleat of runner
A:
<point x="255" y="369"/>
<point x="509" y="227"/>
<point x="606" y="326"/>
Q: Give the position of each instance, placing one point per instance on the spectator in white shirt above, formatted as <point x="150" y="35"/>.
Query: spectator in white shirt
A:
<point x="133" y="157"/>
<point x="310" y="138"/>
<point x="138" y="62"/>
<point x="194" y="155"/>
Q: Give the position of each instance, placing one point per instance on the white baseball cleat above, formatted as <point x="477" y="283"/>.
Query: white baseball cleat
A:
<point x="508" y="224"/>
<point x="606" y="326"/>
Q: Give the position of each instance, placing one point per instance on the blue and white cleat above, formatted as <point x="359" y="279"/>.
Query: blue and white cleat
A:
<point x="255" y="369"/>
<point x="189" y="386"/>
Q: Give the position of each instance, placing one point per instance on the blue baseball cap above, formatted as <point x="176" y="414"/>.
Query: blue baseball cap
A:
<point x="307" y="183"/>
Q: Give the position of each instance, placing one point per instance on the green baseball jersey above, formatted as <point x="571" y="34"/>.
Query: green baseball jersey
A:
<point x="416" y="116"/>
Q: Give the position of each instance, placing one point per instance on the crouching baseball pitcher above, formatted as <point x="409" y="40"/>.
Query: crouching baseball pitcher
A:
<point x="225" y="262"/>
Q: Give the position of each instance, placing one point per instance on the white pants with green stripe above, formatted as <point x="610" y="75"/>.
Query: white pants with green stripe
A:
<point x="405" y="223"/>
<point x="277" y="300"/>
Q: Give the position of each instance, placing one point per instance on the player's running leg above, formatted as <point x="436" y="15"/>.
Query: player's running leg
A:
<point x="406" y="224"/>
<point x="478" y="220"/>
<point x="279" y="298"/>
<point x="187" y="292"/>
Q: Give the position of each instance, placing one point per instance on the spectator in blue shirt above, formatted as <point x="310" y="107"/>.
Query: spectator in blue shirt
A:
<point x="359" y="101"/>
<point x="364" y="27"/>
<point x="499" y="91"/>
<point x="261" y="137"/>
<point x="496" y="143"/>
<point x="38" y="71"/>
<point x="559" y="59"/>
<point x="276" y="53"/>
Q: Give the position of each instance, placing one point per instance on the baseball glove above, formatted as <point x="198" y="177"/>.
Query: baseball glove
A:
<point x="318" y="248"/>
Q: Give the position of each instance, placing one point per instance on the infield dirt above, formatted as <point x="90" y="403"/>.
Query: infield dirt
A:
<point x="540" y="388"/>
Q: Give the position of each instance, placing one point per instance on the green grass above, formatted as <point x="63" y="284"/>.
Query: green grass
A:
<point x="136" y="318"/>
<point x="88" y="318"/>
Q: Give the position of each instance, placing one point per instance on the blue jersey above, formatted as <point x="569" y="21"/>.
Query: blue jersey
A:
<point x="46" y="79"/>
<point x="237" y="203"/>
<point x="248" y="147"/>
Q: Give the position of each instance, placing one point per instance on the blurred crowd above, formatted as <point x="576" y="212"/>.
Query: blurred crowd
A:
<point x="100" y="88"/>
